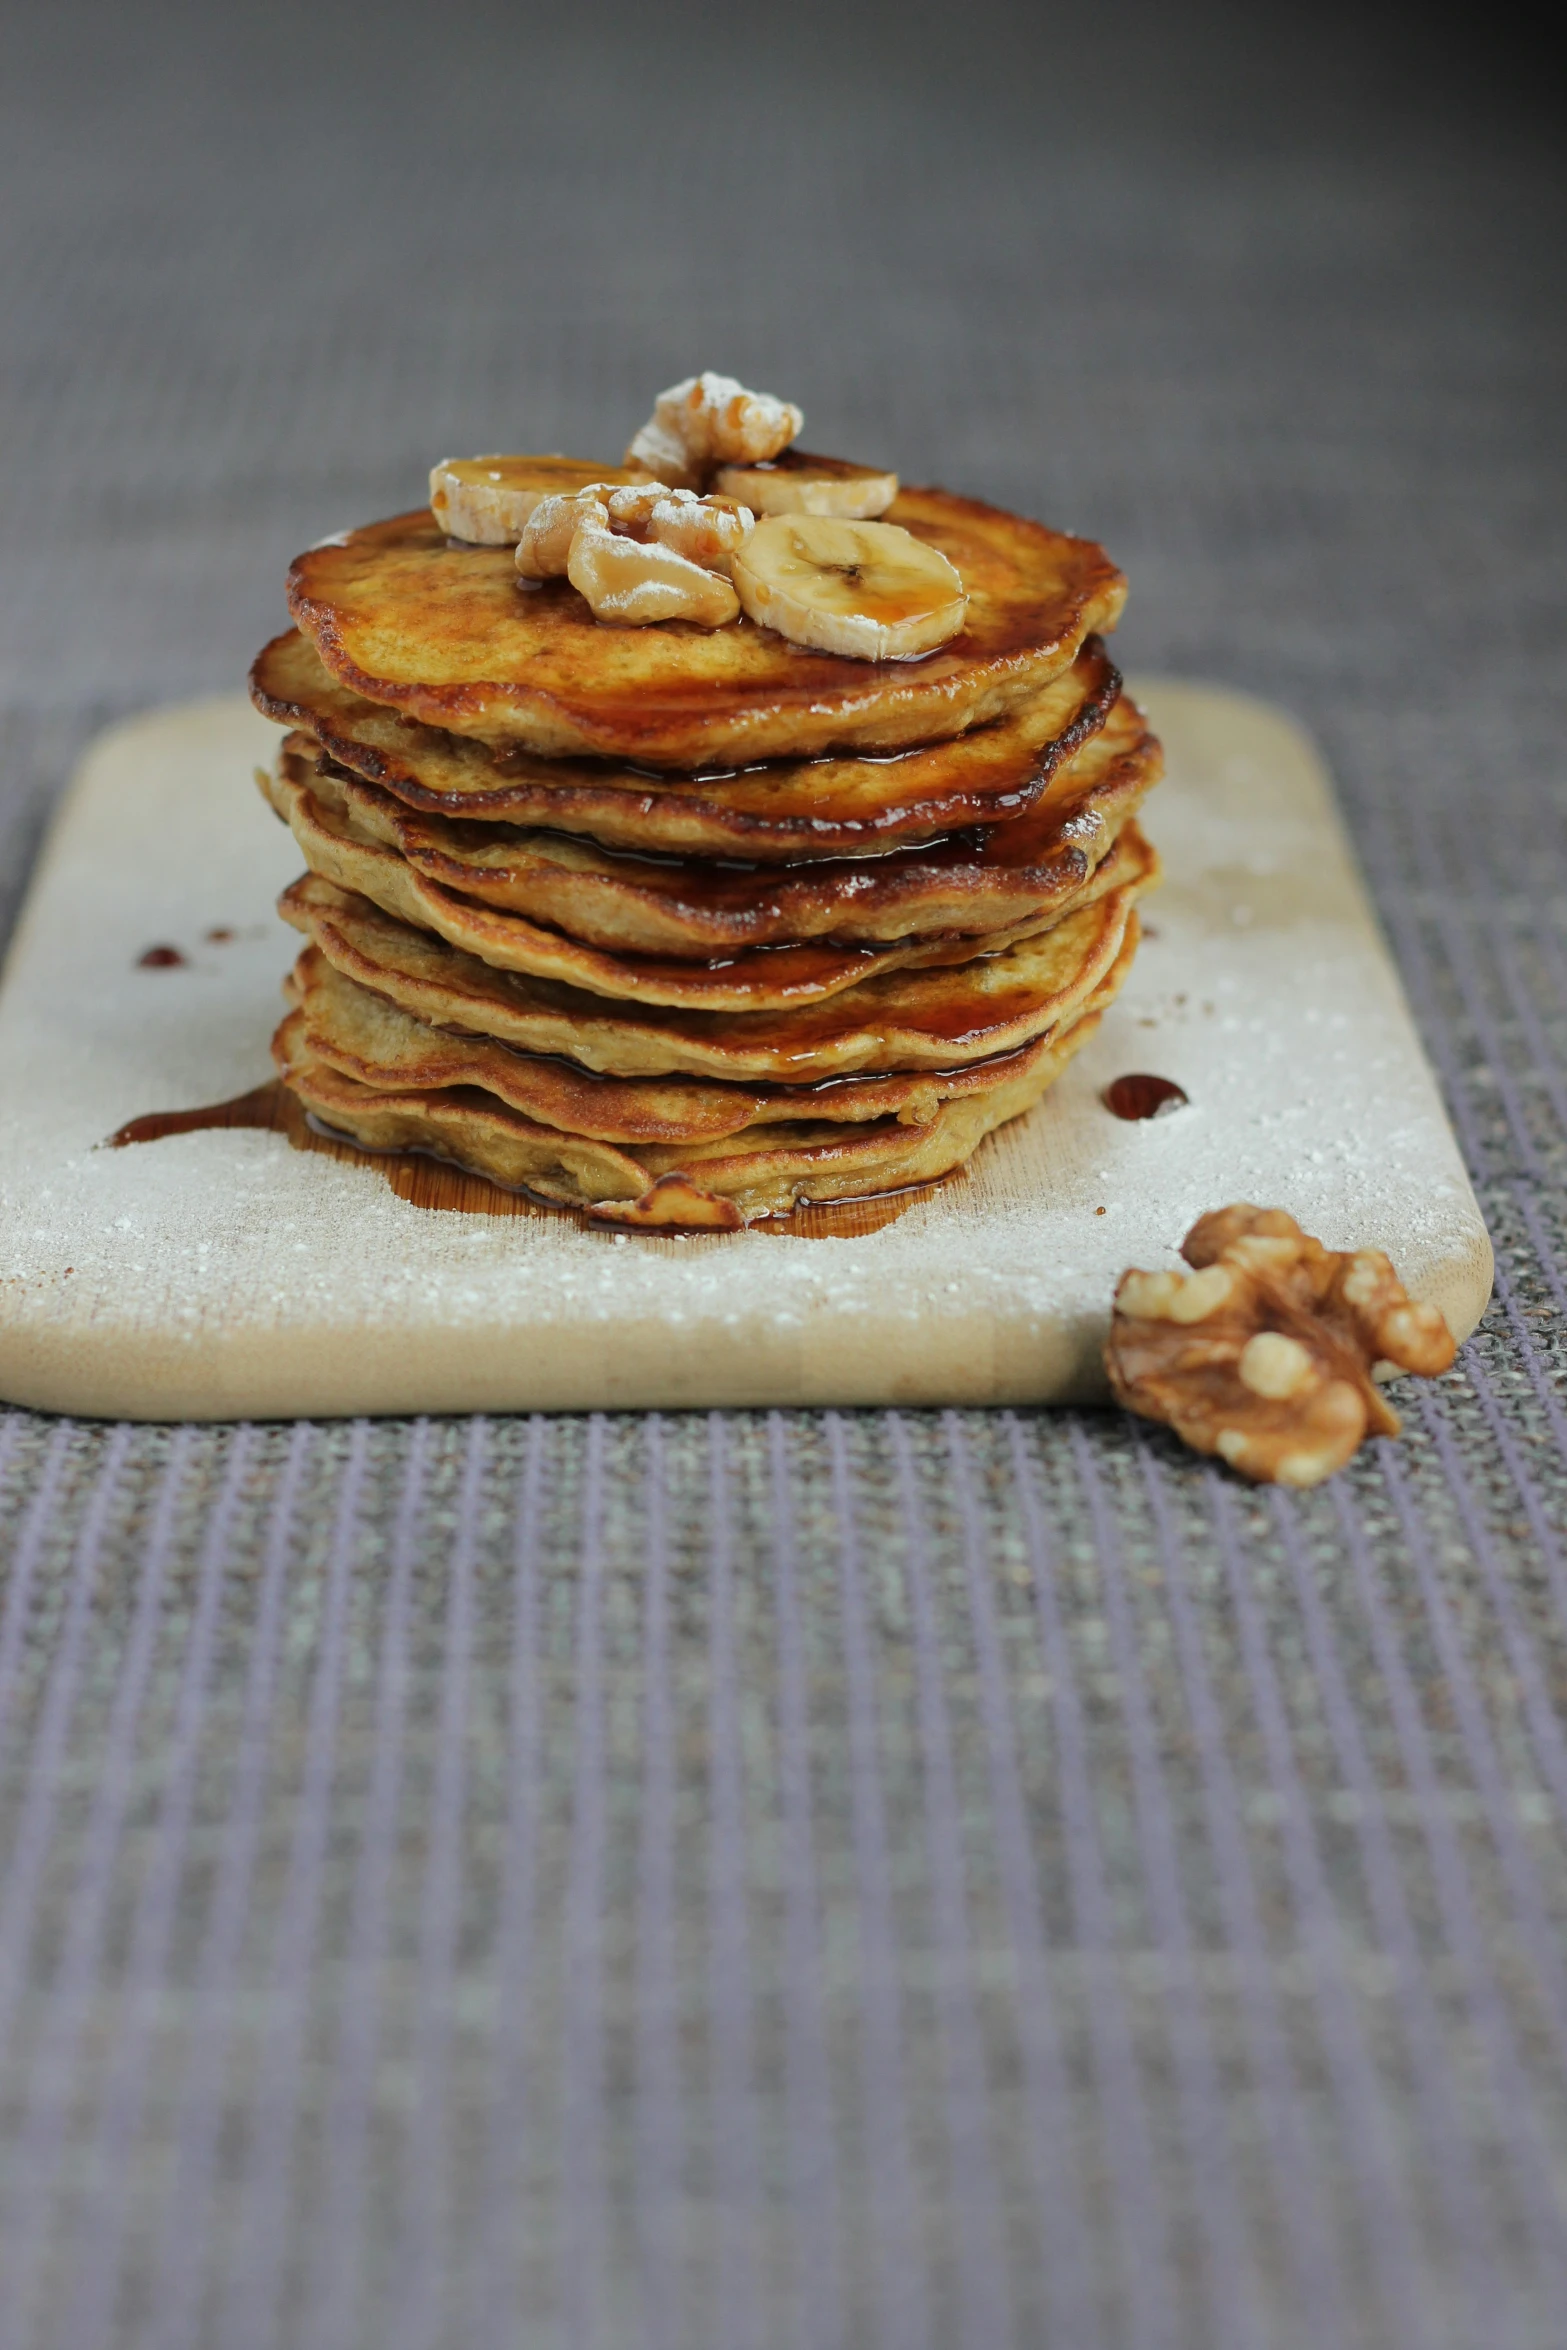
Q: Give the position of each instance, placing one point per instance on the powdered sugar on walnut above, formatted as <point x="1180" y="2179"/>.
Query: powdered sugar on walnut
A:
<point x="707" y="421"/>
<point x="1264" y="1352"/>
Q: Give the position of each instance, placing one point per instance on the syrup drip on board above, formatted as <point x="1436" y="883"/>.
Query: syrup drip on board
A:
<point x="1139" y="1095"/>
<point x="160" y="958"/>
<point x="427" y="1182"/>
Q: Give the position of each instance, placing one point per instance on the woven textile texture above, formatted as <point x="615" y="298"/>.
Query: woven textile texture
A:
<point x="784" y="1883"/>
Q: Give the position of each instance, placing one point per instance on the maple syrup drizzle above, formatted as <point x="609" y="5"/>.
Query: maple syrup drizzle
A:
<point x="258" y="1108"/>
<point x="160" y="958"/>
<point x="1139" y="1095"/>
<point x="425" y="1181"/>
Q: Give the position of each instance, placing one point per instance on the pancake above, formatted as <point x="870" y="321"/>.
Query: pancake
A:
<point x="972" y="883"/>
<point x="912" y="1020"/>
<point x="444" y="633"/>
<point x="787" y="809"/>
<point x="357" y="1032"/>
<point x="761" y="1171"/>
<point x="763" y="978"/>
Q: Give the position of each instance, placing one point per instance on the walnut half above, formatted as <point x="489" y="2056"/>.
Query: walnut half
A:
<point x="639" y="553"/>
<point x="1264" y="1352"/>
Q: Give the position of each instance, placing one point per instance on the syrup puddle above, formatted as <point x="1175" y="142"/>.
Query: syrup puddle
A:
<point x="1139" y="1095"/>
<point x="427" y="1182"/>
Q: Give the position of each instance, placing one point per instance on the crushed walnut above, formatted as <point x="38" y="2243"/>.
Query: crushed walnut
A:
<point x="639" y="554"/>
<point x="1264" y="1352"/>
<point x="708" y="421"/>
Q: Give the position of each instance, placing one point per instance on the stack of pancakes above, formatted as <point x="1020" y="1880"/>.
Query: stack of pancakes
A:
<point x="681" y="926"/>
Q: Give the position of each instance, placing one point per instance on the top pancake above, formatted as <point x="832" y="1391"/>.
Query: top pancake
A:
<point x="445" y="633"/>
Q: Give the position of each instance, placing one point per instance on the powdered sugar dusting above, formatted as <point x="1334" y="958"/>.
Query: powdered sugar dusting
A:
<point x="224" y="1272"/>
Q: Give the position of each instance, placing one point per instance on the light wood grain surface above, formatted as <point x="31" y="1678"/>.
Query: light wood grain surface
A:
<point x="223" y="1275"/>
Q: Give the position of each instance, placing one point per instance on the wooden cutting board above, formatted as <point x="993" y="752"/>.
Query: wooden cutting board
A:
<point x="220" y="1275"/>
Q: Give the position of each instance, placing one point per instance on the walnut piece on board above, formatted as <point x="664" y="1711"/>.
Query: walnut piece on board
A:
<point x="1264" y="1352"/>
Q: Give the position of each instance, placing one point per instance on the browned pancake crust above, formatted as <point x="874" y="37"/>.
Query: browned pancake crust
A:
<point x="787" y="809"/>
<point x="445" y="634"/>
<point x="353" y="1029"/>
<point x="718" y="1183"/>
<point x="971" y="884"/>
<point x="917" y="1020"/>
<point x="753" y="979"/>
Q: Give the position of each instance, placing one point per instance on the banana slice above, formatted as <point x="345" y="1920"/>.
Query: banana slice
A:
<point x="798" y="483"/>
<point x="487" y="500"/>
<point x="869" y="590"/>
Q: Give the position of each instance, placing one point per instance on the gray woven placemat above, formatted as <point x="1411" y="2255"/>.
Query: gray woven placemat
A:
<point x="717" y="1883"/>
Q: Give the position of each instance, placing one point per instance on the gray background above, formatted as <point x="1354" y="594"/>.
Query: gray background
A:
<point x="809" y="1881"/>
